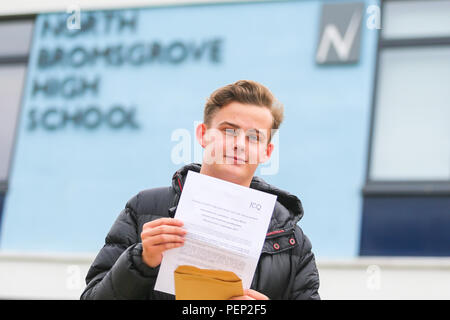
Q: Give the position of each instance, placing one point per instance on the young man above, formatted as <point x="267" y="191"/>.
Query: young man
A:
<point x="236" y="135"/>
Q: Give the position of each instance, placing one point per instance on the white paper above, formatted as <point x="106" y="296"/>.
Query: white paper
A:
<point x="226" y="226"/>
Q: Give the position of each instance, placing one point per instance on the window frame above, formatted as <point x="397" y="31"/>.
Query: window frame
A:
<point x="399" y="187"/>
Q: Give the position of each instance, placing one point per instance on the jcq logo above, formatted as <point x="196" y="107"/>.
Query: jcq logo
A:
<point x="255" y="205"/>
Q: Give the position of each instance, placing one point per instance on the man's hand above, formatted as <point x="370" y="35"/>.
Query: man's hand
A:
<point x="250" y="294"/>
<point x="158" y="236"/>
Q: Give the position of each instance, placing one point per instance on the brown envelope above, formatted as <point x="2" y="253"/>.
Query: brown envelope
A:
<point x="192" y="283"/>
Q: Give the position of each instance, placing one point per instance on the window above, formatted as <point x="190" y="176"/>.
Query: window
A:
<point x="412" y="121"/>
<point x="11" y="81"/>
<point x="406" y="207"/>
<point x="416" y="19"/>
<point x="410" y="130"/>
<point x="15" y="37"/>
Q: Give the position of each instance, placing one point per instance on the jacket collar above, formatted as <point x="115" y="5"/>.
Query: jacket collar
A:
<point x="280" y="218"/>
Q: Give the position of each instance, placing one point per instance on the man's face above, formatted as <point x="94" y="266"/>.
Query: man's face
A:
<point x="236" y="141"/>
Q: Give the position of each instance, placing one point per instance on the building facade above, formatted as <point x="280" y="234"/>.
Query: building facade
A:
<point x="98" y="105"/>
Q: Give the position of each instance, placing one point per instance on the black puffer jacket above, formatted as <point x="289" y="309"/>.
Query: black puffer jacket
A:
<point x="286" y="268"/>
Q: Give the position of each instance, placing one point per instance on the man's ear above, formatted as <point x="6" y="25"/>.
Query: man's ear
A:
<point x="200" y="132"/>
<point x="265" y="155"/>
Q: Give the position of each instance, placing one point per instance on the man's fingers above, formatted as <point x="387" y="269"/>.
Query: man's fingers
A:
<point x="250" y="294"/>
<point x="162" y="239"/>
<point x="245" y="297"/>
<point x="255" y="294"/>
<point x="161" y="235"/>
<point x="172" y="245"/>
<point x="163" y="229"/>
<point x="163" y="221"/>
<point x="166" y="246"/>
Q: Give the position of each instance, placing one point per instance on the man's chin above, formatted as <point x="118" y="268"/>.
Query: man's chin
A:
<point x="232" y="169"/>
<point x="235" y="173"/>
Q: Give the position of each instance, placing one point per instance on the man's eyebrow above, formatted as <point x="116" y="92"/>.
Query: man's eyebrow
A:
<point x="228" y="123"/>
<point x="236" y="126"/>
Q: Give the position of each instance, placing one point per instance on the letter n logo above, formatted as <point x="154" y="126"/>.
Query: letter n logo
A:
<point x="340" y="33"/>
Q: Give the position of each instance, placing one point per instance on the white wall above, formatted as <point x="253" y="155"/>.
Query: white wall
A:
<point x="33" y="6"/>
<point x="38" y="276"/>
<point x="385" y="278"/>
<point x="33" y="276"/>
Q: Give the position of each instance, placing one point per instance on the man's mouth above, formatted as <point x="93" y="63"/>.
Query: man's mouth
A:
<point x="236" y="159"/>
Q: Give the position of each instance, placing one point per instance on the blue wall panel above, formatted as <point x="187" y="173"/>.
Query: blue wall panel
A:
<point x="406" y="226"/>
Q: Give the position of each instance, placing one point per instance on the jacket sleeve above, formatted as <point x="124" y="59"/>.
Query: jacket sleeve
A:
<point x="118" y="271"/>
<point x="306" y="281"/>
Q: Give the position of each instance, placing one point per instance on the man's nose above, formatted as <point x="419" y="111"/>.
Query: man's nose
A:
<point x="239" y="140"/>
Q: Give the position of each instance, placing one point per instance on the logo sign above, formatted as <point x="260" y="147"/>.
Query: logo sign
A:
<point x="340" y="33"/>
<point x="255" y="205"/>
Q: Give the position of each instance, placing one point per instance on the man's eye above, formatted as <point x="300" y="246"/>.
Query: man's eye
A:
<point x="231" y="132"/>
<point x="253" y="138"/>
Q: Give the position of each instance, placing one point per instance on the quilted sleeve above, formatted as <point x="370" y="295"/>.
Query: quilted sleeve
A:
<point x="118" y="271"/>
